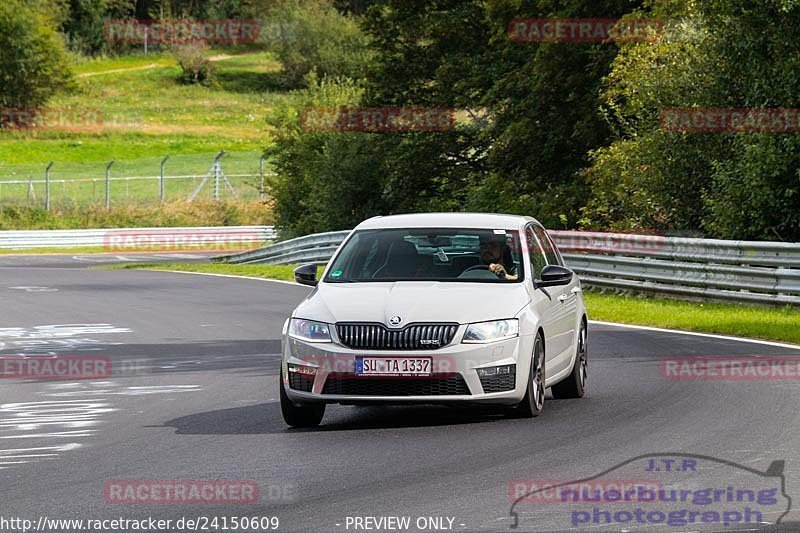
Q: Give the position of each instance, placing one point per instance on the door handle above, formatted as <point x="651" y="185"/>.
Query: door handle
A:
<point x="563" y="298"/>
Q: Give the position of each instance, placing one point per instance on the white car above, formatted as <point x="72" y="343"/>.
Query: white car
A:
<point x="436" y="308"/>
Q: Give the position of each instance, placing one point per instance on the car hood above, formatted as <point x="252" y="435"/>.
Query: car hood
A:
<point x="413" y="301"/>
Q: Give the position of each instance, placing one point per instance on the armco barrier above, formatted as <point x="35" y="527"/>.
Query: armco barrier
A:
<point x="30" y="239"/>
<point x="744" y="271"/>
<point x="315" y="248"/>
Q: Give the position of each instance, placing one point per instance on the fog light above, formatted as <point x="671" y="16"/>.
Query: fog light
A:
<point x="496" y="371"/>
<point x="301" y="369"/>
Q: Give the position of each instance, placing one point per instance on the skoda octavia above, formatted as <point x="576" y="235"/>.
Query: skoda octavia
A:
<point x="436" y="308"/>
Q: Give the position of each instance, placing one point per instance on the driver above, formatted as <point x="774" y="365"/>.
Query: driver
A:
<point x="495" y="253"/>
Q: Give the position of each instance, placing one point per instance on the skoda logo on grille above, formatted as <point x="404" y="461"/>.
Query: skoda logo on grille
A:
<point x="395" y="320"/>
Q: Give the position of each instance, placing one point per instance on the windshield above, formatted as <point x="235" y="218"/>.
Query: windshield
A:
<point x="469" y="255"/>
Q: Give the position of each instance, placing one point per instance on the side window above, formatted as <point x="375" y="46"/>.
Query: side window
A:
<point x="555" y="249"/>
<point x="549" y="249"/>
<point x="538" y="259"/>
<point x="558" y="252"/>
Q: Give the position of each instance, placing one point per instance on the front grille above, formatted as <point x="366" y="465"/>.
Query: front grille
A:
<point x="301" y="382"/>
<point x="352" y="385"/>
<point x="498" y="382"/>
<point x="411" y="337"/>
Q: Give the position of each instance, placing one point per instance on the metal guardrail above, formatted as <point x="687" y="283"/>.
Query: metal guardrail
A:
<point x="754" y="253"/>
<point x="744" y="271"/>
<point x="315" y="248"/>
<point x="119" y="239"/>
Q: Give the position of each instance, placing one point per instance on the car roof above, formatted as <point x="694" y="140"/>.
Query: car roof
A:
<point x="447" y="220"/>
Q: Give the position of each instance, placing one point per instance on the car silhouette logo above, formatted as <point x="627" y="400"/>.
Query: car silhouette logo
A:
<point x="655" y="478"/>
<point x="395" y="320"/>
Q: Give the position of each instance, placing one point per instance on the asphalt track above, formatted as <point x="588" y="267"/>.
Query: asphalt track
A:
<point x="194" y="397"/>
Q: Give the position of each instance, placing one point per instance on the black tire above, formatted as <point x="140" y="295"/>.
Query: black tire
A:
<point x="533" y="402"/>
<point x="574" y="385"/>
<point x="300" y="416"/>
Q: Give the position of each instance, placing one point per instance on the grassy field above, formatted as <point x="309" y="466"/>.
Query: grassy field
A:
<point x="146" y="114"/>
<point x="178" y="213"/>
<point x="779" y="324"/>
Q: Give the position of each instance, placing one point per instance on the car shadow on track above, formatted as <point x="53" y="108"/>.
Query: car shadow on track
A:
<point x="267" y="419"/>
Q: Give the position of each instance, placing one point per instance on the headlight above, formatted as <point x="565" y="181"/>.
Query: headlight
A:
<point x="496" y="330"/>
<point x="308" y="330"/>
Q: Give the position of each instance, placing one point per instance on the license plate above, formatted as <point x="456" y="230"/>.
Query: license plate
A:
<point x="393" y="366"/>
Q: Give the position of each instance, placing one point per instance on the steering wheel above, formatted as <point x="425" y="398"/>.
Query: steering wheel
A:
<point x="476" y="267"/>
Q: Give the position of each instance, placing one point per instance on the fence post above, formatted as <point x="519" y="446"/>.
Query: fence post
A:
<point x="217" y="173"/>
<point x="161" y="181"/>
<point x="261" y="175"/>
<point x="47" y="186"/>
<point x="108" y="184"/>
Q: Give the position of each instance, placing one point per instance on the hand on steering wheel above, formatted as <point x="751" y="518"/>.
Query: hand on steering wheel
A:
<point x="498" y="269"/>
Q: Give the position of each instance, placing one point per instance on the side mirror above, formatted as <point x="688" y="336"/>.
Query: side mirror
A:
<point x="553" y="275"/>
<point x="306" y="274"/>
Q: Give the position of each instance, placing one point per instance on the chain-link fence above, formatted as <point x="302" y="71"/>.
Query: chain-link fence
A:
<point x="205" y="176"/>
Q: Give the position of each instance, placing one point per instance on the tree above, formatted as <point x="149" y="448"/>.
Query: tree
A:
<point x="85" y="20"/>
<point x="714" y="54"/>
<point x="527" y="114"/>
<point x="533" y="106"/>
<point x="33" y="60"/>
<point x="311" y="35"/>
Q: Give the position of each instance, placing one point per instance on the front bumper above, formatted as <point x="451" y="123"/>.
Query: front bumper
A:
<point x="454" y="375"/>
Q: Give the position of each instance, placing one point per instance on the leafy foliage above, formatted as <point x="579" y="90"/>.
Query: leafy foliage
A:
<point x="311" y="35"/>
<point x="33" y="60"/>
<point x="527" y="115"/>
<point x="195" y="65"/>
<point x="715" y="54"/>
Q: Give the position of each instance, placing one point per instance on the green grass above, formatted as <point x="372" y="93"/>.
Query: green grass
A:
<point x="178" y="213"/>
<point x="779" y="324"/>
<point x="282" y="272"/>
<point x="147" y="114"/>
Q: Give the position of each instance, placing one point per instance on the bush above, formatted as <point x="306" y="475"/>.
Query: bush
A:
<point x="195" y="66"/>
<point x="298" y="157"/>
<point x="33" y="63"/>
<point x="311" y="35"/>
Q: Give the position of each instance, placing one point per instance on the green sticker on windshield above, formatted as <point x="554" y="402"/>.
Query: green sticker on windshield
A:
<point x="336" y="273"/>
